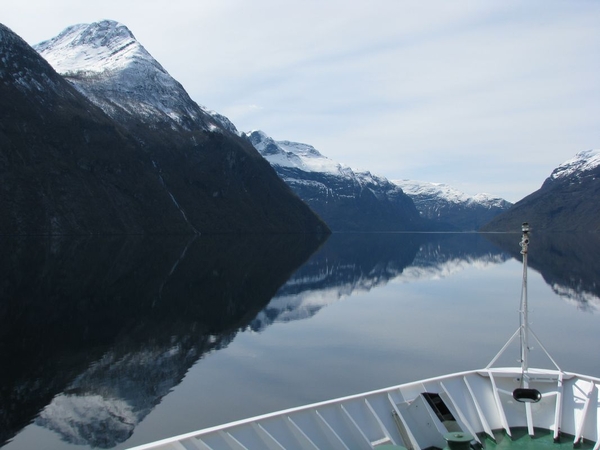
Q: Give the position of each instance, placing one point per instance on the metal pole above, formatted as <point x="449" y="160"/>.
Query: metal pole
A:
<point x="524" y="306"/>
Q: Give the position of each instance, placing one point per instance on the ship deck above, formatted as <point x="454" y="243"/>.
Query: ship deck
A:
<point x="542" y="440"/>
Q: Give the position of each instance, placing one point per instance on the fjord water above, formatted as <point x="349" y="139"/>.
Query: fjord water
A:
<point x="113" y="342"/>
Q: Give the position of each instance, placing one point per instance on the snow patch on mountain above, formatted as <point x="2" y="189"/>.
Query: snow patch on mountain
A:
<point x="100" y="47"/>
<point x="306" y="158"/>
<point x="295" y="155"/>
<point x="221" y="120"/>
<point x="28" y="77"/>
<point x="442" y="191"/>
<point x="581" y="162"/>
<point x="105" y="62"/>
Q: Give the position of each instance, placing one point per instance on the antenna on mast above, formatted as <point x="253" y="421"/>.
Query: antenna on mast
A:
<point x="524" y="393"/>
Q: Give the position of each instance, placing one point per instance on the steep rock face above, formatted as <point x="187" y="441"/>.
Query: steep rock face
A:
<point x="132" y="155"/>
<point x="346" y="200"/>
<point x="567" y="201"/>
<point x="444" y="204"/>
<point x="65" y="166"/>
<point x="105" y="62"/>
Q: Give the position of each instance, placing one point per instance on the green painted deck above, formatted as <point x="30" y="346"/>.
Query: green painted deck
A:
<point x="522" y="441"/>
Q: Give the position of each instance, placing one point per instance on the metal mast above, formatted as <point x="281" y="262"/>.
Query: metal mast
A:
<point x="524" y="312"/>
<point x="523" y="331"/>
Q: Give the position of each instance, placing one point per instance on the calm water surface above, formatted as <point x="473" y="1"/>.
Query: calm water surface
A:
<point x="111" y="343"/>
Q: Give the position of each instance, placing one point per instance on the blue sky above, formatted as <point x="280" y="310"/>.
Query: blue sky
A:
<point x="487" y="96"/>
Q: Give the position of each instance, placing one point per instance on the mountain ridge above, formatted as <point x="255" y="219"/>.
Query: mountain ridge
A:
<point x="105" y="56"/>
<point x="345" y="199"/>
<point x="64" y="160"/>
<point x="97" y="154"/>
<point x="443" y="203"/>
<point x="566" y="201"/>
<point x="322" y="182"/>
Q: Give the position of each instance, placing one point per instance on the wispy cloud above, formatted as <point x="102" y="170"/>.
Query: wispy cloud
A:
<point x="488" y="96"/>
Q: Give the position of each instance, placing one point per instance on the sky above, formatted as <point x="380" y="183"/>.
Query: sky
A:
<point x="486" y="96"/>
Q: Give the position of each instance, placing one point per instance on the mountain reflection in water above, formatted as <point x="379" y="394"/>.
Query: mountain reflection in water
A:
<point x="568" y="262"/>
<point x="98" y="331"/>
<point x="356" y="262"/>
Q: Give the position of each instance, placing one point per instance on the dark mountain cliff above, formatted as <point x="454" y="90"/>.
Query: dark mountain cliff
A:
<point x="569" y="199"/>
<point x="66" y="167"/>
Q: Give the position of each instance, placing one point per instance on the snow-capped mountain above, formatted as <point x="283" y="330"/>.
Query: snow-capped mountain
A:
<point x="567" y="201"/>
<point x="443" y="203"/>
<point x="345" y="199"/>
<point x="151" y="161"/>
<point x="295" y="155"/>
<point x="577" y="166"/>
<point x="63" y="159"/>
<point x="106" y="63"/>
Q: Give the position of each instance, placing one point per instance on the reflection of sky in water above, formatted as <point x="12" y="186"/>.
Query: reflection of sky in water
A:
<point x="397" y="333"/>
<point x="422" y="321"/>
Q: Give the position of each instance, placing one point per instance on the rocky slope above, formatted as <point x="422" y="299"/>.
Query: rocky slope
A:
<point x="65" y="166"/>
<point x="346" y="200"/>
<point x="123" y="158"/>
<point x="444" y="204"/>
<point x="567" y="201"/>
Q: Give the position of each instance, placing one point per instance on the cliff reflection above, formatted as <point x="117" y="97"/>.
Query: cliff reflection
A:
<point x="94" y="332"/>
<point x="568" y="262"/>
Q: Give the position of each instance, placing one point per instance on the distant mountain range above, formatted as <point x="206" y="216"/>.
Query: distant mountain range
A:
<point x="567" y="201"/>
<point x="350" y="200"/>
<point x="116" y="145"/>
<point x="346" y="200"/>
<point x="445" y="204"/>
<point x="104" y="140"/>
